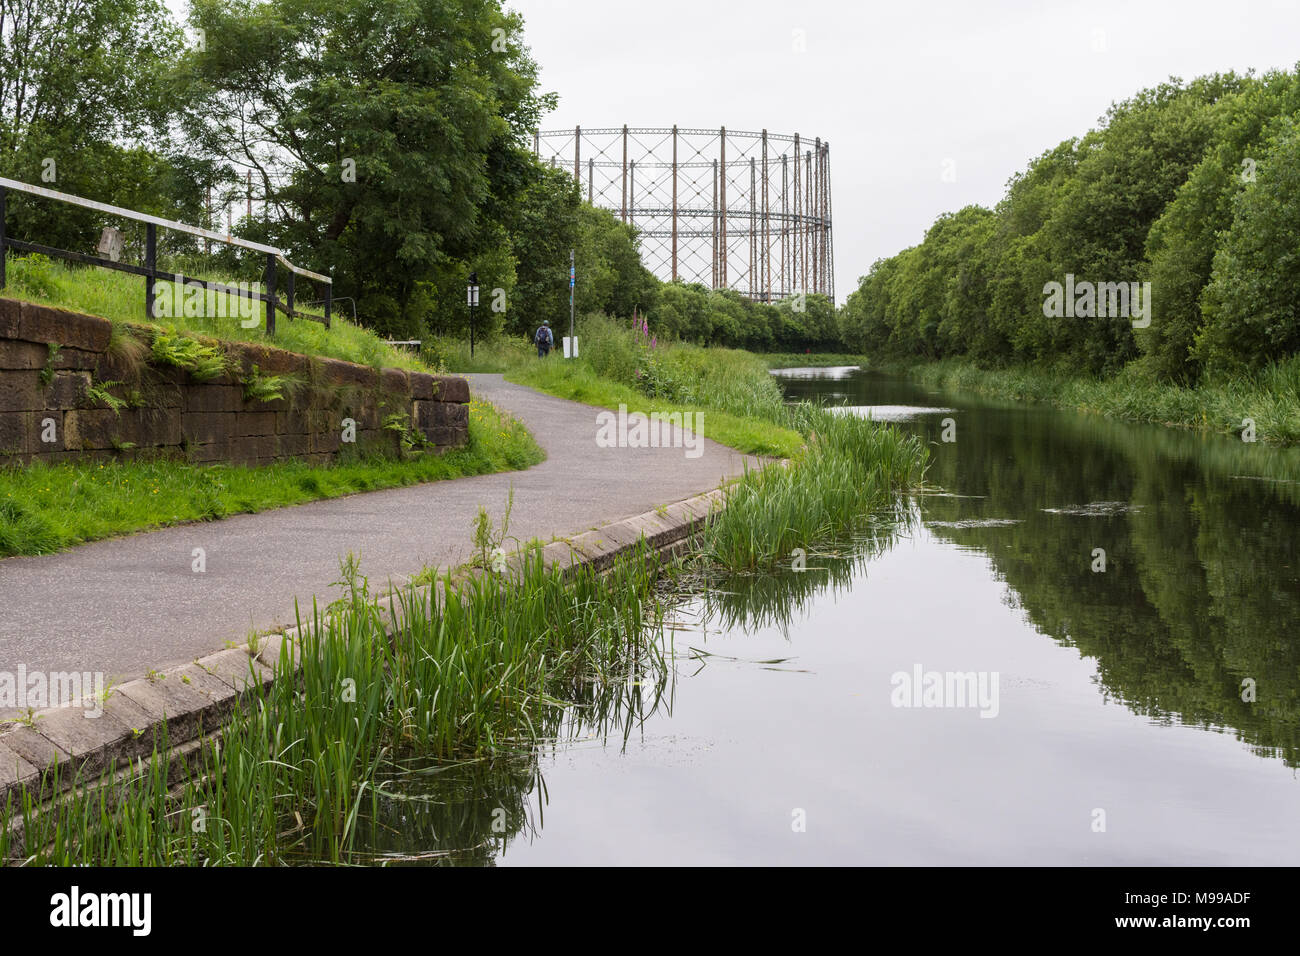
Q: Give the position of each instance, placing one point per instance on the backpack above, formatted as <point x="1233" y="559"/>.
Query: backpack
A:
<point x="544" y="336"/>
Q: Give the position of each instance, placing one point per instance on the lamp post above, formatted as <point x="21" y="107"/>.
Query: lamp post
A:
<point x="573" y="342"/>
<point x="472" y="296"/>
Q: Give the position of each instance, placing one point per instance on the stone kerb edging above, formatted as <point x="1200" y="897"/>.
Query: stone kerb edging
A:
<point x="192" y="701"/>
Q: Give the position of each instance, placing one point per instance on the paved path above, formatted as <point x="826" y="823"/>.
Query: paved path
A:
<point x="129" y="604"/>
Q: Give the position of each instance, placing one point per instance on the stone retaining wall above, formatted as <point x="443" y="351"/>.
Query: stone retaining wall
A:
<point x="48" y="414"/>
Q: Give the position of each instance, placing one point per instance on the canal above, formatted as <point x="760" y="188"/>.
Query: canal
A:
<point x="1077" y="644"/>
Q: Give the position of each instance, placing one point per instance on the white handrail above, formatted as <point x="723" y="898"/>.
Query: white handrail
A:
<point x="164" y="223"/>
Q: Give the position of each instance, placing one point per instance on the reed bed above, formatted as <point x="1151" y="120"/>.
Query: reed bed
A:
<point x="850" y="468"/>
<point x="462" y="670"/>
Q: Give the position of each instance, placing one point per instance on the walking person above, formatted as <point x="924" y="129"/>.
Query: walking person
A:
<point x="544" y="339"/>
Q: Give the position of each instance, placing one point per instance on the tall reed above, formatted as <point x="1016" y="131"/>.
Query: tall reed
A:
<point x="460" y="670"/>
<point x="850" y="468"/>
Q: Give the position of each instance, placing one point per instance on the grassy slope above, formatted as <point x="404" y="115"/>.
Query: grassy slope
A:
<point x="742" y="407"/>
<point x="120" y="298"/>
<point x="577" y="382"/>
<point x="1270" y="397"/>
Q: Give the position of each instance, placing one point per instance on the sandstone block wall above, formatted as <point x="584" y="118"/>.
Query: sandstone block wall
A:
<point x="51" y="409"/>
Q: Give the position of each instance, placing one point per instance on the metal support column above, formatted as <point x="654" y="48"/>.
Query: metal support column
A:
<point x="826" y="266"/>
<point x="813" y="208"/>
<point x="807" y="219"/>
<point x="796" y="261"/>
<point x="753" y="229"/>
<point x="830" y="233"/>
<point x="674" y="202"/>
<point x="715" y="224"/>
<point x="767" y="231"/>
<point x="822" y="222"/>
<point x="722" y="208"/>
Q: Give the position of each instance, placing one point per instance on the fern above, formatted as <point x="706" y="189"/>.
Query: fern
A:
<point x="410" y="437"/>
<point x="264" y="388"/>
<point x="47" y="373"/>
<point x="203" y="362"/>
<point x="99" y="394"/>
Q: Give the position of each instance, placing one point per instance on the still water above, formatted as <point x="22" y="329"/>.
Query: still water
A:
<point x="1123" y="599"/>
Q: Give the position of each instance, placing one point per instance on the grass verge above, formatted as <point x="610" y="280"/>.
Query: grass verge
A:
<point x="120" y="298"/>
<point x="743" y="406"/>
<point x="49" y="507"/>
<point x="850" y="468"/>
<point x="579" y="383"/>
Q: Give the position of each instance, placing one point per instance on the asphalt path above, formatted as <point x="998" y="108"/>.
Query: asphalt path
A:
<point x="127" y="605"/>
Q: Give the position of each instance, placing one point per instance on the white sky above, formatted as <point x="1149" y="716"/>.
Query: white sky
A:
<point x="897" y="88"/>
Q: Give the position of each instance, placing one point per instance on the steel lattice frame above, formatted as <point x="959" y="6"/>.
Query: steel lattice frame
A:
<point x="725" y="208"/>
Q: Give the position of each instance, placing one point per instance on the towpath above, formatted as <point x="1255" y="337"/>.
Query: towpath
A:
<point x="127" y="605"/>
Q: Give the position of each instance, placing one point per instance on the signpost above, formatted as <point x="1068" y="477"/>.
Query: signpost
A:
<point x="472" y="296"/>
<point x="111" y="243"/>
<point x="571" y="346"/>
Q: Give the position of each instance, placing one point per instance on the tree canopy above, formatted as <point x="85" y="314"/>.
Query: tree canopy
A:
<point x="1187" y="186"/>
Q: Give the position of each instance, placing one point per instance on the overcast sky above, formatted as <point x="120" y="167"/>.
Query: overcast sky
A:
<point x="897" y="88"/>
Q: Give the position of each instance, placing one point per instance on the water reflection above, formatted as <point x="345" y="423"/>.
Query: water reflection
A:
<point x="1197" y="606"/>
<point x="472" y="813"/>
<point x="775" y="692"/>
<point x="453" y="814"/>
<point x="741" y="604"/>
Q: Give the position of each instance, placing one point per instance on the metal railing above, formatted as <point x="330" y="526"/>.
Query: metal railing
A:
<point x="150" y="270"/>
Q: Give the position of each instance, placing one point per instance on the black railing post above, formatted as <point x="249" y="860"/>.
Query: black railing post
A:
<point x="329" y="302"/>
<point x="150" y="263"/>
<point x="288" y="300"/>
<point x="2" y="239"/>
<point x="270" y="293"/>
